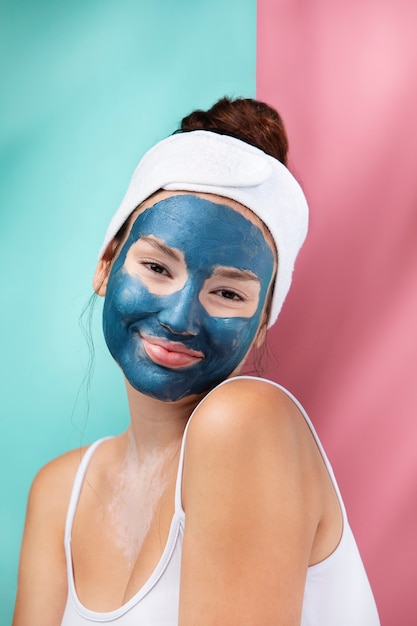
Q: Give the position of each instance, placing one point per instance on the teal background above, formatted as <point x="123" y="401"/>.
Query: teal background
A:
<point x="86" y="88"/>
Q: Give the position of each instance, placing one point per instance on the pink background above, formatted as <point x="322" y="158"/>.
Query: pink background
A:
<point x="344" y="77"/>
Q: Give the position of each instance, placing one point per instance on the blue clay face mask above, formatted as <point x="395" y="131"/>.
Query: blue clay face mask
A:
<point x="185" y="296"/>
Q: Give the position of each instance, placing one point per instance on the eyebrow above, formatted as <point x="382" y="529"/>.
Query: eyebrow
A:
<point x="158" y="244"/>
<point x="234" y="273"/>
<point x="220" y="271"/>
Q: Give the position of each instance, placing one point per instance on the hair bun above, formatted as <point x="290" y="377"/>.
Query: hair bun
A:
<point x="246" y="119"/>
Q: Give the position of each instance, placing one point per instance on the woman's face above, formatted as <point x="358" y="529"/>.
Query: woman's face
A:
<point x="185" y="296"/>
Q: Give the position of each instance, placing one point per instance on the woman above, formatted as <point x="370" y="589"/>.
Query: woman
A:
<point x="233" y="516"/>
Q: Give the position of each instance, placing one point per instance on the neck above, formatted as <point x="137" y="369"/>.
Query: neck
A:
<point x="156" y="426"/>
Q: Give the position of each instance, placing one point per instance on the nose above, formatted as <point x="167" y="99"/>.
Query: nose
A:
<point x="182" y="311"/>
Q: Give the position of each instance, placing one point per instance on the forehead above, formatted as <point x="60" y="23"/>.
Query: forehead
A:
<point x="215" y="233"/>
<point x="163" y="194"/>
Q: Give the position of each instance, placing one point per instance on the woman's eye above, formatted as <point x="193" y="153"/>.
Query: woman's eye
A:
<point x="155" y="267"/>
<point x="229" y="295"/>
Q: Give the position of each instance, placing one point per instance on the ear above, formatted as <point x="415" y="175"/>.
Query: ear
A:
<point x="102" y="273"/>
<point x="101" y="277"/>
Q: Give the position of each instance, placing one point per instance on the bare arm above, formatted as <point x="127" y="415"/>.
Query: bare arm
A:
<point x="252" y="510"/>
<point x="42" y="583"/>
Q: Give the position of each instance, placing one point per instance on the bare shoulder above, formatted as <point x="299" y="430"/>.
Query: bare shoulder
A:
<point x="254" y="428"/>
<point x="42" y="584"/>
<point x="245" y="409"/>
<point x="51" y="487"/>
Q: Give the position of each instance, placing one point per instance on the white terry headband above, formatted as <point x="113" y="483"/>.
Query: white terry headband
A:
<point x="204" y="161"/>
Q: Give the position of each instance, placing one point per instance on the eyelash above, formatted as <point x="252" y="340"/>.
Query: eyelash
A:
<point x="235" y="296"/>
<point x="151" y="265"/>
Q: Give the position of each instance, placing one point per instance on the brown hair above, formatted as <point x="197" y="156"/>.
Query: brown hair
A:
<point x="250" y="120"/>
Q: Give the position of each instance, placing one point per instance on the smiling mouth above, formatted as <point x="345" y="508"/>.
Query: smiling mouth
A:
<point x="170" y="354"/>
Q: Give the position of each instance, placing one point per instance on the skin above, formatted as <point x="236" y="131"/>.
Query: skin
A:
<point x="248" y="451"/>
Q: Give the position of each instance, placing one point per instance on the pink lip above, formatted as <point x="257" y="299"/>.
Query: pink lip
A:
<point x="170" y="353"/>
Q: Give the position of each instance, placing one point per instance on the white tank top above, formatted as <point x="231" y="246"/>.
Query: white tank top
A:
<point x="337" y="591"/>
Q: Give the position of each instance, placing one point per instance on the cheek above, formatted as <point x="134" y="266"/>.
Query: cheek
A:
<point x="125" y="298"/>
<point x="233" y="337"/>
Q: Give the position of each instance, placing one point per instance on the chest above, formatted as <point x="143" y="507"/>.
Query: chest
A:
<point x="120" y="530"/>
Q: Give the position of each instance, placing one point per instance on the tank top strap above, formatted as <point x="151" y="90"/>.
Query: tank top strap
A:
<point x="318" y="443"/>
<point x="77" y="485"/>
<point x="179" y="511"/>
